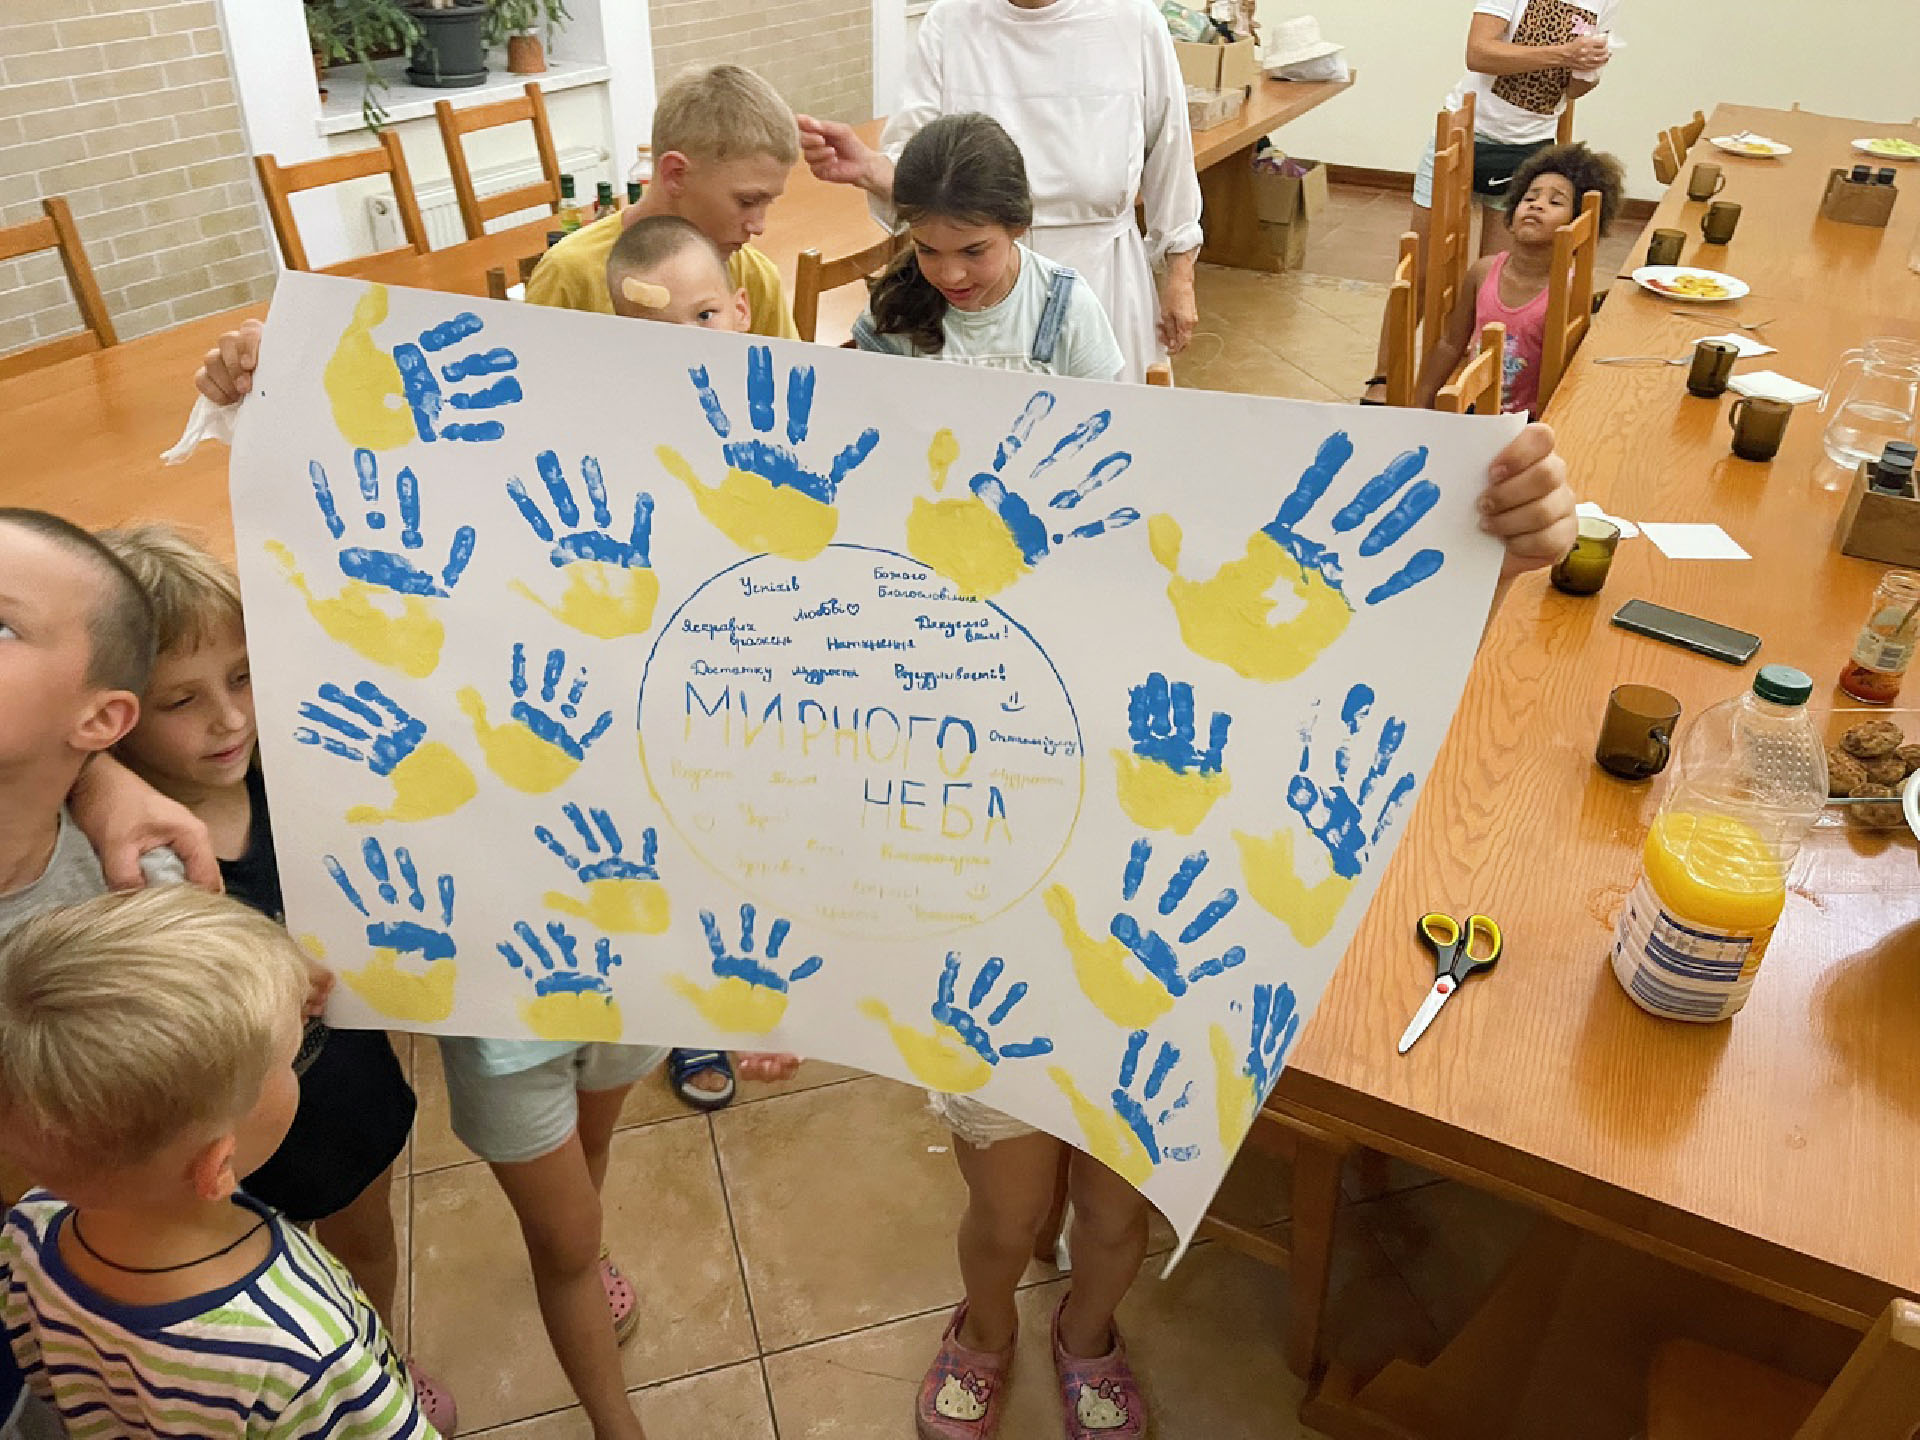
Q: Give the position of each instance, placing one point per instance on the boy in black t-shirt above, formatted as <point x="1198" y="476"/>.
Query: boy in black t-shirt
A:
<point x="195" y="742"/>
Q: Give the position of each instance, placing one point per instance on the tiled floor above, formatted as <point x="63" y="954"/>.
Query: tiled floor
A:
<point x="794" y="1260"/>
<point x="794" y="1254"/>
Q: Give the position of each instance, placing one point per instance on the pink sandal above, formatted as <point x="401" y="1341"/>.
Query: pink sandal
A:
<point x="623" y="1303"/>
<point x="962" y="1395"/>
<point x="1099" y="1397"/>
<point x="435" y="1402"/>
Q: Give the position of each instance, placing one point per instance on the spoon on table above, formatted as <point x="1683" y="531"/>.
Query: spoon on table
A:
<point x="1712" y="320"/>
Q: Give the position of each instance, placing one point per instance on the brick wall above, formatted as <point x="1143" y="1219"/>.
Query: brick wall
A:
<point x="817" y="53"/>
<point x="127" y="108"/>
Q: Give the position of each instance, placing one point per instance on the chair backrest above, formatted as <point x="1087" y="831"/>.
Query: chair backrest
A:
<point x="1666" y="164"/>
<point x="497" y="283"/>
<point x="1693" y="129"/>
<point x="1563" y="132"/>
<point x="812" y="276"/>
<point x="1403" y="323"/>
<point x="1160" y="373"/>
<point x="279" y="182"/>
<point x="55" y="231"/>
<point x="1449" y="237"/>
<point x="1876" y="1395"/>
<point x="1478" y="385"/>
<point x="1569" y="292"/>
<point x="475" y="209"/>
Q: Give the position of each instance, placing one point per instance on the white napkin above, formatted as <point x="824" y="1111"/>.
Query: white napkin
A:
<point x="1694" y="542"/>
<point x="207" y="422"/>
<point x="1772" y="385"/>
<point x="1746" y="345"/>
<point x="1593" y="512"/>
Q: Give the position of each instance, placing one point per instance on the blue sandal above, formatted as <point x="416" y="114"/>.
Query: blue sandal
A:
<point x="683" y="1065"/>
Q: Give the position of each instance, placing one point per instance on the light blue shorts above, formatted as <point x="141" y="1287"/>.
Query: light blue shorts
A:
<point x="506" y="1119"/>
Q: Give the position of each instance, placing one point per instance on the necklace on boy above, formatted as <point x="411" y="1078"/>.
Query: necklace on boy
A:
<point x="73" y="1224"/>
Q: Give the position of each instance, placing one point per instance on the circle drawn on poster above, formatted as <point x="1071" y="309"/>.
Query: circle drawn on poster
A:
<point x="851" y="741"/>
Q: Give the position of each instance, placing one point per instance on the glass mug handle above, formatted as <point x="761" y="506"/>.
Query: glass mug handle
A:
<point x="1664" y="739"/>
<point x="1734" y="411"/>
<point x="1856" y="356"/>
<point x="1720" y="183"/>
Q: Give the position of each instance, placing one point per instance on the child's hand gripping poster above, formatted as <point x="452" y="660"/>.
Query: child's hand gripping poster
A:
<point x="1033" y="739"/>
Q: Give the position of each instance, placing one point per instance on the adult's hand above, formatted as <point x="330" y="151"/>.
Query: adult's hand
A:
<point x="1528" y="503"/>
<point x="226" y="374"/>
<point x="1588" y="52"/>
<point x="123" y="817"/>
<point x="838" y="156"/>
<point x="1179" y="310"/>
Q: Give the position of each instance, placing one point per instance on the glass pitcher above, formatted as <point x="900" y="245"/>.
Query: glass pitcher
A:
<point x="1873" y="396"/>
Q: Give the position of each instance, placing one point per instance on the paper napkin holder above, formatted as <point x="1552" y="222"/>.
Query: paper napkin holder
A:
<point x="1879" y="527"/>
<point x="1853" y="202"/>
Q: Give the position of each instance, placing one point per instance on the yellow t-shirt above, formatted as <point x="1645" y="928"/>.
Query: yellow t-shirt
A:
<point x="573" y="276"/>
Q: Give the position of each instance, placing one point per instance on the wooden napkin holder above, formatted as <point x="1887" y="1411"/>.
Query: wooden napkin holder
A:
<point x="1879" y="527"/>
<point x="1853" y="203"/>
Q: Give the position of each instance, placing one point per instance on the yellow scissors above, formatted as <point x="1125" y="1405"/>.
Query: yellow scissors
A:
<point x="1457" y="954"/>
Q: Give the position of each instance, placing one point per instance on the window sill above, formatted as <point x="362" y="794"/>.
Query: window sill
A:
<point x="917" y="8"/>
<point x="340" y="114"/>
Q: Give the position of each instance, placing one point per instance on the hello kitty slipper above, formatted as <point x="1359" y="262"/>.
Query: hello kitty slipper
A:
<point x="963" y="1394"/>
<point x="1100" y="1397"/>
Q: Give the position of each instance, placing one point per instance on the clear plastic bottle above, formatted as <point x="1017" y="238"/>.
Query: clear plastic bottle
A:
<point x="1750" y="781"/>
<point x="641" y="171"/>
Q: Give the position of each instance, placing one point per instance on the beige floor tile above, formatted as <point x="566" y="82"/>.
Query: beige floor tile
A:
<point x="1450" y="1243"/>
<point x="1359" y="303"/>
<point x="845" y="1201"/>
<point x="1245" y="365"/>
<point x="666" y="1222"/>
<point x="729" y="1404"/>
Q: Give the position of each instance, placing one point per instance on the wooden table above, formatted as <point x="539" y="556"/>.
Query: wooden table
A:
<point x="1783" y="248"/>
<point x="1780" y="1151"/>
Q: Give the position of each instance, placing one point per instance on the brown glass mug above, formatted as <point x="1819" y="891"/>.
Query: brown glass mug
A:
<point x="1719" y="221"/>
<point x="1759" y="425"/>
<point x="1712" y="368"/>
<point x="1706" y="181"/>
<point x="1636" y="737"/>
<point x="1666" y="247"/>
<point x="1583" y="569"/>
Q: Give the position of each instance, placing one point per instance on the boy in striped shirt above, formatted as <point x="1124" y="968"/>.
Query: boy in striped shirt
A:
<point x="146" y="1066"/>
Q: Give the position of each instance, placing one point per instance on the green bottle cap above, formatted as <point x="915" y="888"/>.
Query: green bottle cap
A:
<point x="1783" y="685"/>
<point x="633" y="192"/>
<point x="566" y="187"/>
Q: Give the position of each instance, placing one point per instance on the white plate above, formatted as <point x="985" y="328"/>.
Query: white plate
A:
<point x="1867" y="147"/>
<point x="1754" y="147"/>
<point x="1654" y="277"/>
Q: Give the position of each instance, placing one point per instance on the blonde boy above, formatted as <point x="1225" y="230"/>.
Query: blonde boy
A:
<point x="146" y="1067"/>
<point x="723" y="144"/>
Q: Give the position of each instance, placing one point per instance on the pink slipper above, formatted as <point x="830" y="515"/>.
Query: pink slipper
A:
<point x="963" y="1393"/>
<point x="623" y="1303"/>
<point x="1100" y="1398"/>
<point x="435" y="1402"/>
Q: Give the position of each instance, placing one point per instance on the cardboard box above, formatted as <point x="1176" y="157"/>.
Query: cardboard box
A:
<point x="1879" y="527"/>
<point x="1219" y="67"/>
<point x="1852" y="203"/>
<point x="1285" y="199"/>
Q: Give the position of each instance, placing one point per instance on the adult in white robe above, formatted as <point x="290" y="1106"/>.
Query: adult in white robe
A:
<point x="1091" y="92"/>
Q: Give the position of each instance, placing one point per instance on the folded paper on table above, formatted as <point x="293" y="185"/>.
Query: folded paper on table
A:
<point x="1693" y="541"/>
<point x="1772" y="385"/>
<point x="1033" y="738"/>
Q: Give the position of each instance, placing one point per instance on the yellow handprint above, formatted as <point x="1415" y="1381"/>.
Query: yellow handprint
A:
<point x="1105" y="969"/>
<point x="580" y="1016"/>
<point x="637" y="907"/>
<point x="750" y="996"/>
<point x="535" y="751"/>
<point x="368" y="726"/>
<point x="1233" y="1094"/>
<point x="417" y="926"/>
<point x="961" y="539"/>
<point x="734" y="1005"/>
<point x="611" y="589"/>
<point x="1109" y="1140"/>
<point x="430" y="782"/>
<point x="1169" y="780"/>
<point x="572" y="996"/>
<point x="419" y="997"/>
<point x="363" y="383"/>
<point x="939" y="1058"/>
<point x="756" y="514"/>
<point x="1307" y="910"/>
<point x="624" y="896"/>
<point x="603" y="600"/>
<point x="361" y="617"/>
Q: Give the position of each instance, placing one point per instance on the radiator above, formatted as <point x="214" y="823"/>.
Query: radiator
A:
<point x="440" y="211"/>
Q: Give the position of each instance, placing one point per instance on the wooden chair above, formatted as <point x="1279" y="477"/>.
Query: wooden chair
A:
<point x="55" y="231"/>
<point x="1666" y="163"/>
<point x="1161" y="374"/>
<point x="1569" y="292"/>
<point x="1403" y="324"/>
<point x="1563" y="132"/>
<point x="1478" y="386"/>
<point x="476" y="210"/>
<point x="1698" y="1392"/>
<point x="1449" y="241"/>
<point x="497" y="283"/>
<point x="1691" y="132"/>
<point x="279" y="182"/>
<point x="812" y="276"/>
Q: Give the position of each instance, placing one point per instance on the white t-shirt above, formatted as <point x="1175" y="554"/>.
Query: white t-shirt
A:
<point x="1001" y="337"/>
<point x="1525" y="109"/>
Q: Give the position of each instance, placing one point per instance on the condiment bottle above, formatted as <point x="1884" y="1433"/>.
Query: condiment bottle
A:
<point x="570" y="217"/>
<point x="1885" y="647"/>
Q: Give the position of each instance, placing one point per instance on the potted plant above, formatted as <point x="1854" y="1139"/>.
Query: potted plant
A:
<point x="452" y="48"/>
<point x="358" y="32"/>
<point x="517" y="24"/>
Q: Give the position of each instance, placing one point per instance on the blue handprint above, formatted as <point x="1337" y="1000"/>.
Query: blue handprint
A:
<point x="1330" y="810"/>
<point x="1103" y="966"/>
<point x="1125" y="1134"/>
<point x="623" y="895"/>
<point x="416" y="926"/>
<point x="769" y="500"/>
<point x="572" y="1000"/>
<point x="423" y="392"/>
<point x="385" y="568"/>
<point x="536" y="750"/>
<point x="611" y="588"/>
<point x="750" y="995"/>
<point x="370" y="728"/>
<point x="1167" y="780"/>
<point x="1228" y="617"/>
<point x="985" y="543"/>
<point x="947" y="1011"/>
<point x="1244" y="1078"/>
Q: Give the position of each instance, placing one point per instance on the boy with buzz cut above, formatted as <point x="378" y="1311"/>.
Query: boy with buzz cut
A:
<point x="723" y="144"/>
<point x="665" y="268"/>
<point x="147" y="1043"/>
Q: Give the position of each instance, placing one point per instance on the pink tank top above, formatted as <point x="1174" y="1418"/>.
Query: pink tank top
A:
<point x="1526" y="338"/>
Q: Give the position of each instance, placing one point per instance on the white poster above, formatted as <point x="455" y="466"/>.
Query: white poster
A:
<point x="1035" y="739"/>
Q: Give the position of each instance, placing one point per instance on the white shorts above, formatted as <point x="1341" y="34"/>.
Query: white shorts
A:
<point x="506" y="1119"/>
<point x="978" y="1124"/>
